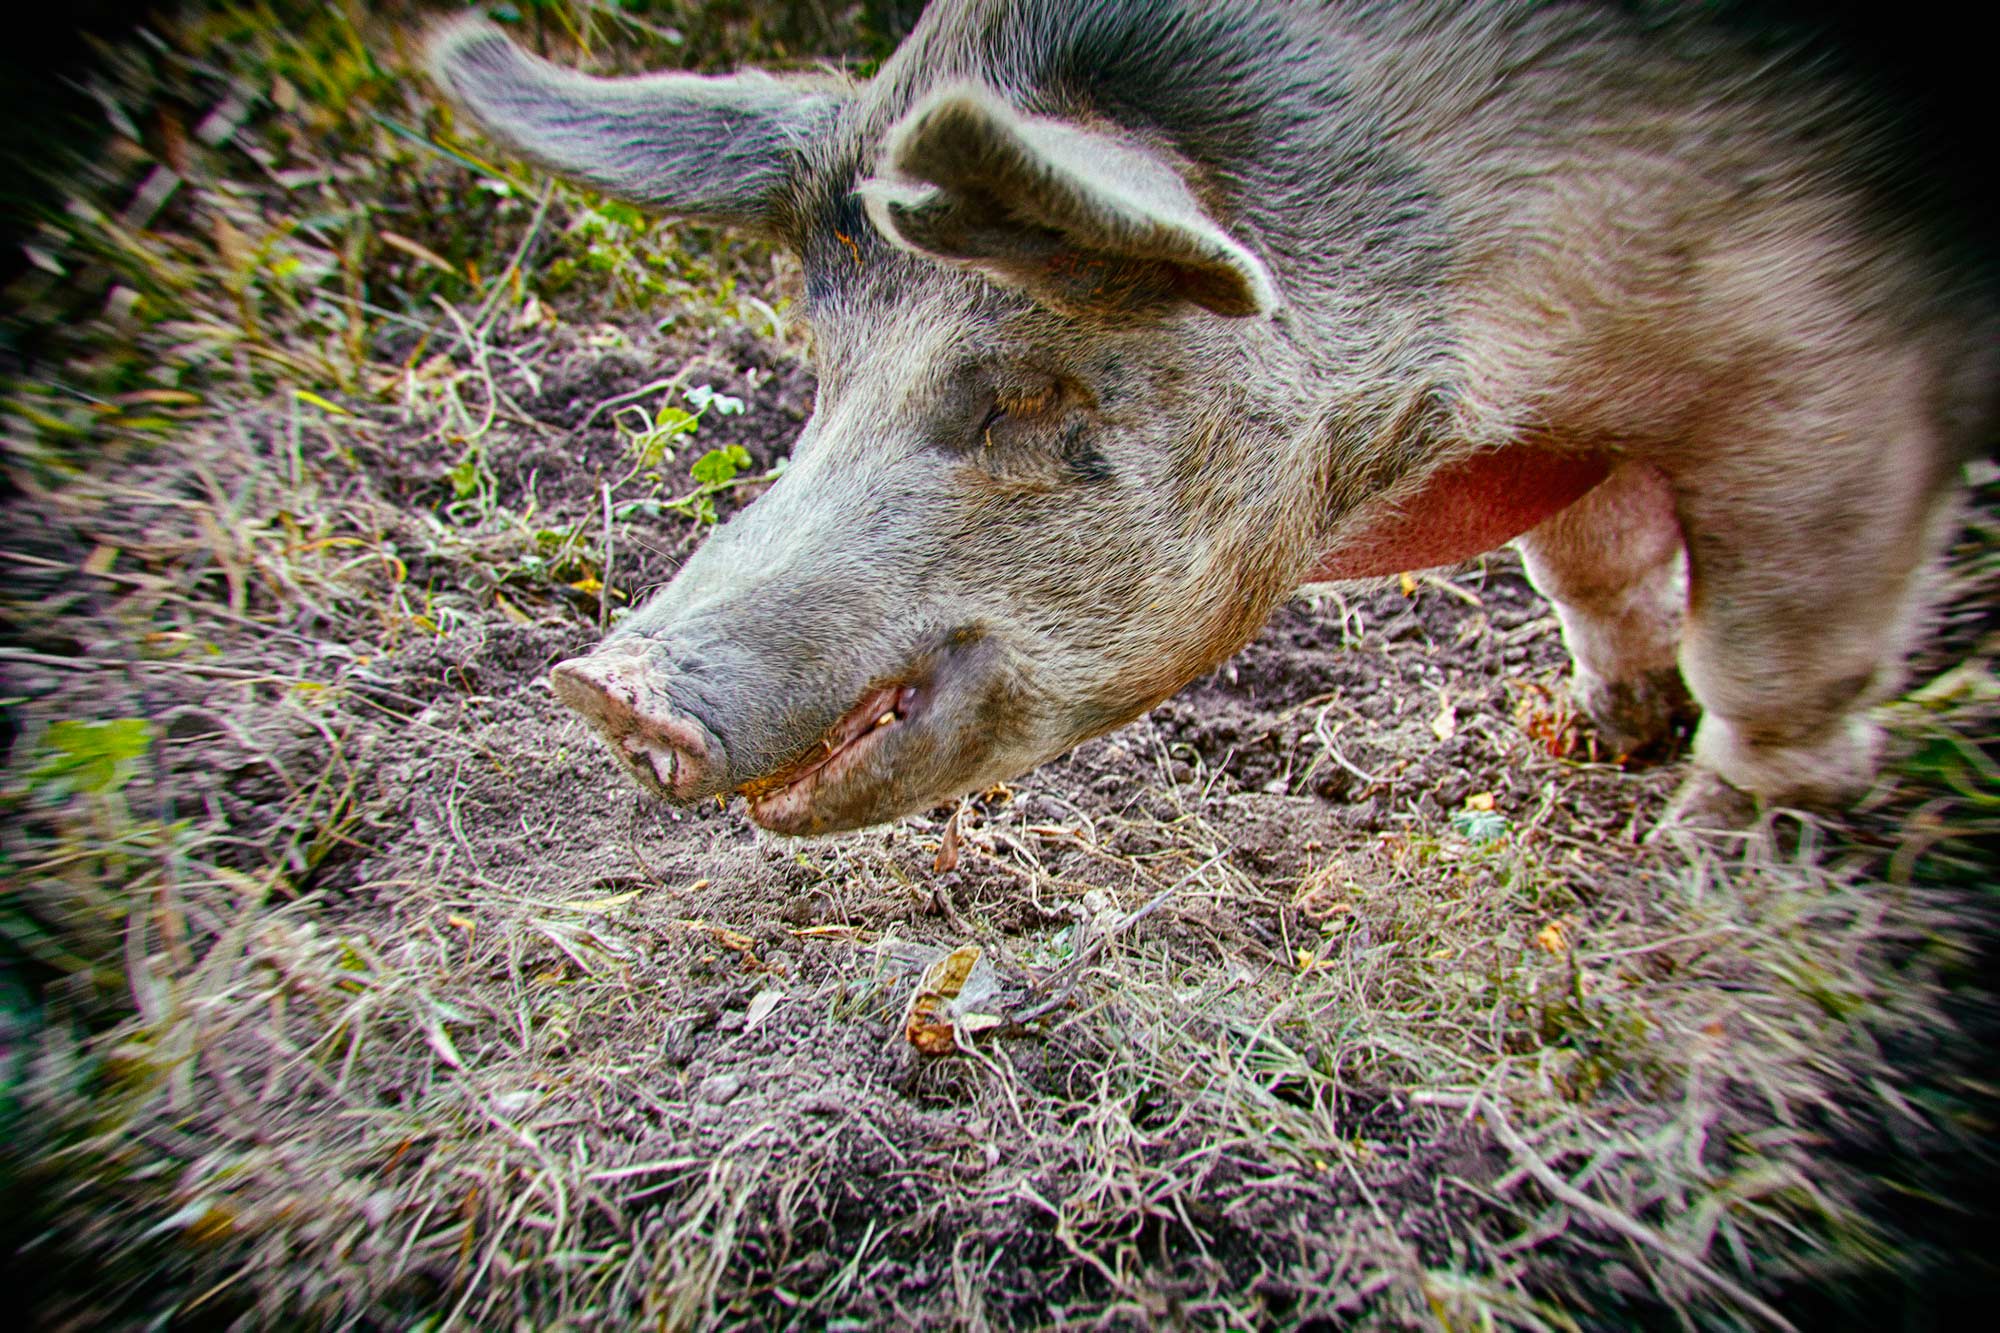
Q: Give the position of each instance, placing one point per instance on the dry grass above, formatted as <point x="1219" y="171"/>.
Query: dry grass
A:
<point x="345" y="987"/>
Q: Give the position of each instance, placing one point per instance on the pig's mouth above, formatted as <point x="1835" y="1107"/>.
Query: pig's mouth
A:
<point x="902" y="744"/>
<point x="785" y="801"/>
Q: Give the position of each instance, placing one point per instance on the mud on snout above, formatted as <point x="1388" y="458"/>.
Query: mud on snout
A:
<point x="809" y="758"/>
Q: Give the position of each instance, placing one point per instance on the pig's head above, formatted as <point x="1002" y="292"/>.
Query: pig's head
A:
<point x="1034" y="498"/>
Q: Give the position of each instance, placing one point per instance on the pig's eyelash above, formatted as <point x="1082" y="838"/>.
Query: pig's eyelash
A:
<point x="1020" y="405"/>
<point x="1025" y="402"/>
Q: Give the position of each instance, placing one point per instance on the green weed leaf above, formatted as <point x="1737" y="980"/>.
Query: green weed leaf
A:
<point x="676" y="421"/>
<point x="1482" y="826"/>
<point x="93" y="757"/>
<point x="464" y="478"/>
<point x="718" y="467"/>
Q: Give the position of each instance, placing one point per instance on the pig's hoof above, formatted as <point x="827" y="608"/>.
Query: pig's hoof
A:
<point x="1706" y="803"/>
<point x="1635" y="715"/>
<point x="1825" y="772"/>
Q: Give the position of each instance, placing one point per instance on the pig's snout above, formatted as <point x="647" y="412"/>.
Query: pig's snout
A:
<point x="823" y="757"/>
<point x="669" y="752"/>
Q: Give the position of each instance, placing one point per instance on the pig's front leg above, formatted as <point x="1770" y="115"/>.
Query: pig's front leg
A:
<point x="1807" y="550"/>
<point x="1612" y="565"/>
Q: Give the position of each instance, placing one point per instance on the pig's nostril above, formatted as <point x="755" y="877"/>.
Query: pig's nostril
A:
<point x="663" y="760"/>
<point x="616" y="691"/>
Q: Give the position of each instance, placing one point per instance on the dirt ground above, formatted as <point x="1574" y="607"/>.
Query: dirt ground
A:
<point x="360" y="989"/>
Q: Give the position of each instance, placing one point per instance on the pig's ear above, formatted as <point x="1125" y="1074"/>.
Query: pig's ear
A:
<point x="724" y="149"/>
<point x="1080" y="218"/>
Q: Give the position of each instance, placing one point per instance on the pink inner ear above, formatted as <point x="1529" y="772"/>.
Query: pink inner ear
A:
<point x="1463" y="510"/>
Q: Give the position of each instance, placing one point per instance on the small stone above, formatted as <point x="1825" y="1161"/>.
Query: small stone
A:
<point x="719" y="1089"/>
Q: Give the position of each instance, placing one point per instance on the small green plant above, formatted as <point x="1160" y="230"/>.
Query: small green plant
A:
<point x="714" y="472"/>
<point x="717" y="470"/>
<point x="93" y="757"/>
<point x="615" y="248"/>
<point x="653" y="437"/>
<point x="75" y="861"/>
<point x="464" y="476"/>
<point x="1481" y="826"/>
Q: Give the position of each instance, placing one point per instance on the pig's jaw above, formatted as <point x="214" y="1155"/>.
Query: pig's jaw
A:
<point x="785" y="801"/>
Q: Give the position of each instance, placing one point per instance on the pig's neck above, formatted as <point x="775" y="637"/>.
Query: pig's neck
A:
<point x="1463" y="509"/>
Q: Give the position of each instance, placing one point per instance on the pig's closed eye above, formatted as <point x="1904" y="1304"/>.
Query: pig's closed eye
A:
<point x="1023" y="432"/>
<point x="1019" y="405"/>
<point x="1024" y="403"/>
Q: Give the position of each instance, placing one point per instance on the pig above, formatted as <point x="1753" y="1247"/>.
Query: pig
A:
<point x="1130" y="317"/>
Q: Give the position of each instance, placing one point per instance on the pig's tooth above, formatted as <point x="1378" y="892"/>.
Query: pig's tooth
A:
<point x="885" y="719"/>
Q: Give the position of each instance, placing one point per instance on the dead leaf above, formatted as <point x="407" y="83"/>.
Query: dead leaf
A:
<point x="417" y="250"/>
<point x="853" y="933"/>
<point x="1445" y="725"/>
<point x="173" y="142"/>
<point x="212" y="1222"/>
<point x="761" y="1006"/>
<point x="723" y="935"/>
<point x="601" y="904"/>
<point x="1323" y="897"/>
<point x="732" y="939"/>
<point x="1553" y="938"/>
<point x="1479" y="800"/>
<point x="232" y="245"/>
<point x="1547" y="717"/>
<point x="947" y="855"/>
<point x="1408" y="584"/>
<point x="927" y="1024"/>
<point x="158" y="398"/>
